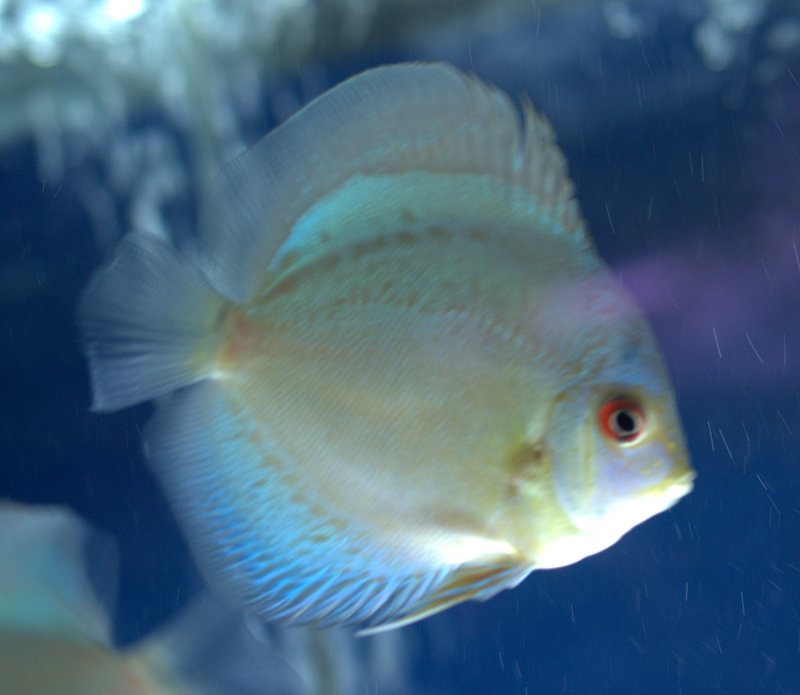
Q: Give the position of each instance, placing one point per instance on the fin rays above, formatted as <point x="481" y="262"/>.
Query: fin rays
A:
<point x="147" y="322"/>
<point x="395" y="120"/>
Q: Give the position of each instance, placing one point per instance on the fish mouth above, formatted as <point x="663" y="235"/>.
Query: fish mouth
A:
<point x="593" y="534"/>
<point x="685" y="482"/>
<point x="623" y="512"/>
<point x="629" y="513"/>
<point x="677" y="484"/>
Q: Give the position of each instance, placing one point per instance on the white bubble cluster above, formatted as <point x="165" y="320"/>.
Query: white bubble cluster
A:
<point x="80" y="59"/>
<point x="721" y="36"/>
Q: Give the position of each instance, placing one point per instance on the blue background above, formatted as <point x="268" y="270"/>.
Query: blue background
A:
<point x="690" y="183"/>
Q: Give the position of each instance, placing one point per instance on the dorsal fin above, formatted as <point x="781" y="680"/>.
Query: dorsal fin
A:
<point x="392" y="120"/>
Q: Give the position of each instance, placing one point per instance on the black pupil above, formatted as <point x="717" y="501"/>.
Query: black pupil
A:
<point x="626" y="424"/>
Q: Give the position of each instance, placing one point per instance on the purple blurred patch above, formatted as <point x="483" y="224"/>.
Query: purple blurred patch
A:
<point x="728" y="311"/>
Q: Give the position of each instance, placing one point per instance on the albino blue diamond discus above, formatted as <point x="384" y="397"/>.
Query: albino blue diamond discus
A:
<point x="393" y="372"/>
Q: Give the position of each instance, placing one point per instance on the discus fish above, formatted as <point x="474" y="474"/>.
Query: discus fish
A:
<point x="54" y="632"/>
<point x="393" y="374"/>
<point x="55" y="635"/>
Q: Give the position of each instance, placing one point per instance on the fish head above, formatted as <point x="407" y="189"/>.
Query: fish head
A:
<point x="616" y="449"/>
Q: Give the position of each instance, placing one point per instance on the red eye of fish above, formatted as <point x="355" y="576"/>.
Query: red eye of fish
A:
<point x="622" y="420"/>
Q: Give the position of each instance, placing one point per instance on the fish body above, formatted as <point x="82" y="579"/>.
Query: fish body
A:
<point x="39" y="663"/>
<point x="393" y="373"/>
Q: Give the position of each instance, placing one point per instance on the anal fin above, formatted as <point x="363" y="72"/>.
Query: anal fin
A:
<point x="468" y="582"/>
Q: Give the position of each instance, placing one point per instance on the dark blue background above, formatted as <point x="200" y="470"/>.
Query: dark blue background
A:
<point x="690" y="182"/>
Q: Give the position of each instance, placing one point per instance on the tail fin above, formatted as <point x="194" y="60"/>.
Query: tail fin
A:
<point x="148" y="323"/>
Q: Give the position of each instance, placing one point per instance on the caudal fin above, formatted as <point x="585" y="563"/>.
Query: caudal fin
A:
<point x="148" y="323"/>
